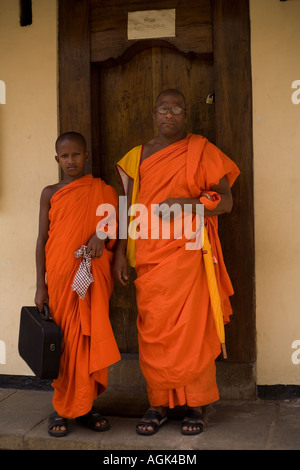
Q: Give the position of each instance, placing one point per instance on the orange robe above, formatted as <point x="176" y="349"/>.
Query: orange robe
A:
<point x="89" y="346"/>
<point x="178" y="342"/>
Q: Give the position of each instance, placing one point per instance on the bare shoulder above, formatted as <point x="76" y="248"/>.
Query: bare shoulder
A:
<point x="48" y="192"/>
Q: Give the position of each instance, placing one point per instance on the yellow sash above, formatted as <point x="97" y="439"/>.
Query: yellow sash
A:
<point x="128" y="167"/>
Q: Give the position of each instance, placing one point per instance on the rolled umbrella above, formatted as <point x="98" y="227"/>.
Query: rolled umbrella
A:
<point x="214" y="293"/>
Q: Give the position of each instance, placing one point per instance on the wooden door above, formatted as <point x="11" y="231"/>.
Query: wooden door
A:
<point x="110" y="84"/>
<point x="126" y="79"/>
<point x="122" y="118"/>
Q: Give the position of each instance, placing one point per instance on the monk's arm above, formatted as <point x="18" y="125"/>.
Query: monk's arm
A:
<point x="41" y="295"/>
<point x="120" y="262"/>
<point x="224" y="205"/>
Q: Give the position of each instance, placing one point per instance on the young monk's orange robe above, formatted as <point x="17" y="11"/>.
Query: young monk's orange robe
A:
<point x="89" y="346"/>
<point x="178" y="341"/>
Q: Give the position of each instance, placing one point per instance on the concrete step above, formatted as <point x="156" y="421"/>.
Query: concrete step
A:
<point x="229" y="425"/>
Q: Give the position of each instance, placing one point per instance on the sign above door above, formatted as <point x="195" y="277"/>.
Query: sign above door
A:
<point x="150" y="24"/>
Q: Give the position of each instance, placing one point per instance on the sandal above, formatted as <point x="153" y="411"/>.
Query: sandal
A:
<point x="56" y="420"/>
<point x="91" y="419"/>
<point x="192" y="418"/>
<point x="149" y="418"/>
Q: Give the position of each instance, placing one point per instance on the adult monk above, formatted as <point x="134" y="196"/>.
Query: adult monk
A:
<point x="178" y="341"/>
<point x="78" y="298"/>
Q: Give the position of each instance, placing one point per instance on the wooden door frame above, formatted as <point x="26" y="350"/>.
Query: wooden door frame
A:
<point x="231" y="41"/>
<point x="74" y="58"/>
<point x="234" y="135"/>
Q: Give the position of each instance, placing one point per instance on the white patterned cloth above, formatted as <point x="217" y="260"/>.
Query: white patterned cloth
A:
<point x="83" y="277"/>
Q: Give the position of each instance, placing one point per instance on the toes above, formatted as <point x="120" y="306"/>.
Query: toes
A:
<point x="191" y="428"/>
<point x="59" y="428"/>
<point x="100" y="424"/>
<point x="145" y="427"/>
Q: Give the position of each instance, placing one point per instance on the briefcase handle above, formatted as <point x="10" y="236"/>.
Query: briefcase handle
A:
<point x="46" y="314"/>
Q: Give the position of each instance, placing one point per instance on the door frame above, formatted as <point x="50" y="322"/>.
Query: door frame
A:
<point x="233" y="104"/>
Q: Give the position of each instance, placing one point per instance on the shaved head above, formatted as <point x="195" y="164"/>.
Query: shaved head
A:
<point x="71" y="136"/>
<point x="171" y="91"/>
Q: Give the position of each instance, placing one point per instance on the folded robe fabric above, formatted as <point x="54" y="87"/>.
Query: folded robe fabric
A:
<point x="177" y="335"/>
<point x="89" y="346"/>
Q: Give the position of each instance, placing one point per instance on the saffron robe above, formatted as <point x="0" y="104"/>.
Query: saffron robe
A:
<point x="89" y="346"/>
<point x="178" y="342"/>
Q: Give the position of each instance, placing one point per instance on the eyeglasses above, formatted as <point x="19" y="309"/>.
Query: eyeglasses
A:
<point x="174" y="110"/>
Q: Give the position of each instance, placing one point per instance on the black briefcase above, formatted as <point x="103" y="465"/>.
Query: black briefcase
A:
<point x="40" y="342"/>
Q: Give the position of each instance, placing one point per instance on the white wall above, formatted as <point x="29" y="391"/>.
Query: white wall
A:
<point x="28" y="129"/>
<point x="275" y="41"/>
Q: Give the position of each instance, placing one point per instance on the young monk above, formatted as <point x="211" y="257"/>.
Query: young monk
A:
<point x="178" y="341"/>
<point x="67" y="223"/>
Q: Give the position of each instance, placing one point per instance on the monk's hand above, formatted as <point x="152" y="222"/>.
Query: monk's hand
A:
<point x="169" y="208"/>
<point x="41" y="297"/>
<point x="121" y="268"/>
<point x="95" y="245"/>
<point x="206" y="195"/>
